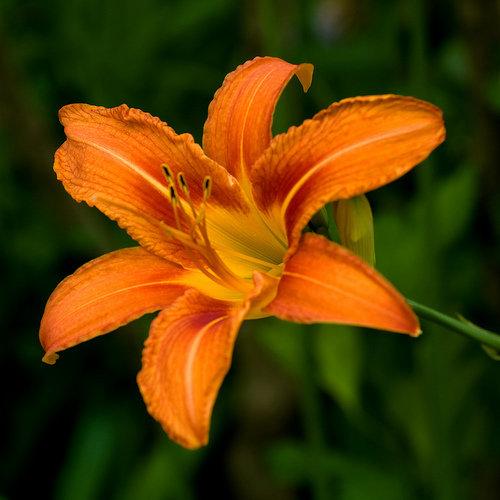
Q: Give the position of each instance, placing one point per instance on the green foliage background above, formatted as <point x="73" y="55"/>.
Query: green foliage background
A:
<point x="399" y="418"/>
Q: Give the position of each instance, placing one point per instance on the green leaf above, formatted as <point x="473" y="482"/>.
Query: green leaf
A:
<point x="339" y="356"/>
<point x="455" y="199"/>
<point x="164" y="473"/>
<point x="360" y="480"/>
<point x="398" y="247"/>
<point x="350" y="478"/>
<point x="288" y="462"/>
<point x="89" y="459"/>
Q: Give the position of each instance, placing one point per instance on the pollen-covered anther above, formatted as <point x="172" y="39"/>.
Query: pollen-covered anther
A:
<point x="191" y="230"/>
<point x="176" y="201"/>
<point x="168" y="174"/>
<point x="182" y="183"/>
<point x="207" y="187"/>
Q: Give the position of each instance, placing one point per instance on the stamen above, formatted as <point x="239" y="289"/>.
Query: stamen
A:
<point x="174" y="197"/>
<point x="191" y="230"/>
<point x="212" y="257"/>
<point x="182" y="183"/>
<point x="184" y="188"/>
<point x="198" y="227"/>
<point x="180" y="206"/>
<point x="168" y="174"/>
<point x="173" y="201"/>
<point x="207" y="187"/>
<point x="176" y="234"/>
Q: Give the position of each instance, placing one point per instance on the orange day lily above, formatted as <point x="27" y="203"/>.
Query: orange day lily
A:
<point x="220" y="228"/>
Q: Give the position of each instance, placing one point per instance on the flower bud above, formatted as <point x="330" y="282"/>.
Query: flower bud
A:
<point x="355" y="225"/>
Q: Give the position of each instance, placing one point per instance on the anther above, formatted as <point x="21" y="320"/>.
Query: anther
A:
<point x="182" y="183"/>
<point x="172" y="194"/>
<point x="207" y="187"/>
<point x="168" y="174"/>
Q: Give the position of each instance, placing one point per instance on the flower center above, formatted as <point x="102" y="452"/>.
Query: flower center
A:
<point x="227" y="247"/>
<point x="191" y="231"/>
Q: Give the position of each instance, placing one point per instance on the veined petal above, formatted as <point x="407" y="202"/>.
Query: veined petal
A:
<point x="106" y="293"/>
<point x="112" y="159"/>
<point x="238" y="127"/>
<point x="186" y="356"/>
<point x="324" y="282"/>
<point x="352" y="147"/>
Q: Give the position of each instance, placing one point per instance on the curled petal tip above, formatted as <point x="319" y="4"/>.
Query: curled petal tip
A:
<point x="238" y="127"/>
<point x="412" y="327"/>
<point x="417" y="332"/>
<point x="195" y="443"/>
<point x="304" y="74"/>
<point x="50" y="358"/>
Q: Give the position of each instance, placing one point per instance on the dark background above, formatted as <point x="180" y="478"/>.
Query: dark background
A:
<point x="398" y="418"/>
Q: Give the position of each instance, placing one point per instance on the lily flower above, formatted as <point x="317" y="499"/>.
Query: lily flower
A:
<point x="220" y="228"/>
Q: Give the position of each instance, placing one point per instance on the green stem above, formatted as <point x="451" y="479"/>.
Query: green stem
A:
<point x="465" y="328"/>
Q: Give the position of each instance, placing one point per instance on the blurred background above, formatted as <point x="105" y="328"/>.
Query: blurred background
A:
<point x="383" y="416"/>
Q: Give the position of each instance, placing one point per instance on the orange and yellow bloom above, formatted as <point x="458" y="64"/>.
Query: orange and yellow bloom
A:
<point x="220" y="228"/>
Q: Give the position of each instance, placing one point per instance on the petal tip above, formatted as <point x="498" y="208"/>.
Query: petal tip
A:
<point x="196" y="443"/>
<point x="304" y="74"/>
<point x="189" y="435"/>
<point x="414" y="330"/>
<point x="417" y="332"/>
<point x="50" y="358"/>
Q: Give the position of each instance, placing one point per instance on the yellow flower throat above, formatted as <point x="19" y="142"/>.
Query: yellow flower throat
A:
<point x="235" y="270"/>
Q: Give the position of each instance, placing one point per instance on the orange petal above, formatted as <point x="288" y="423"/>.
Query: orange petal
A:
<point x="186" y="356"/>
<point x="324" y="282"/>
<point x="112" y="159"/>
<point x="352" y="147"/>
<point x="106" y="293"/>
<point x="238" y="127"/>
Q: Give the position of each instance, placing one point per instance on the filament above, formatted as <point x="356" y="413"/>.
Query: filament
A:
<point x="190" y="229"/>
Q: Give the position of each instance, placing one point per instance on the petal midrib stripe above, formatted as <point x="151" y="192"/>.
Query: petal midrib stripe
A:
<point x="147" y="177"/>
<point x="121" y="290"/>
<point x="353" y="296"/>
<point x="188" y="369"/>
<point x="245" y="118"/>
<point x="359" y="144"/>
